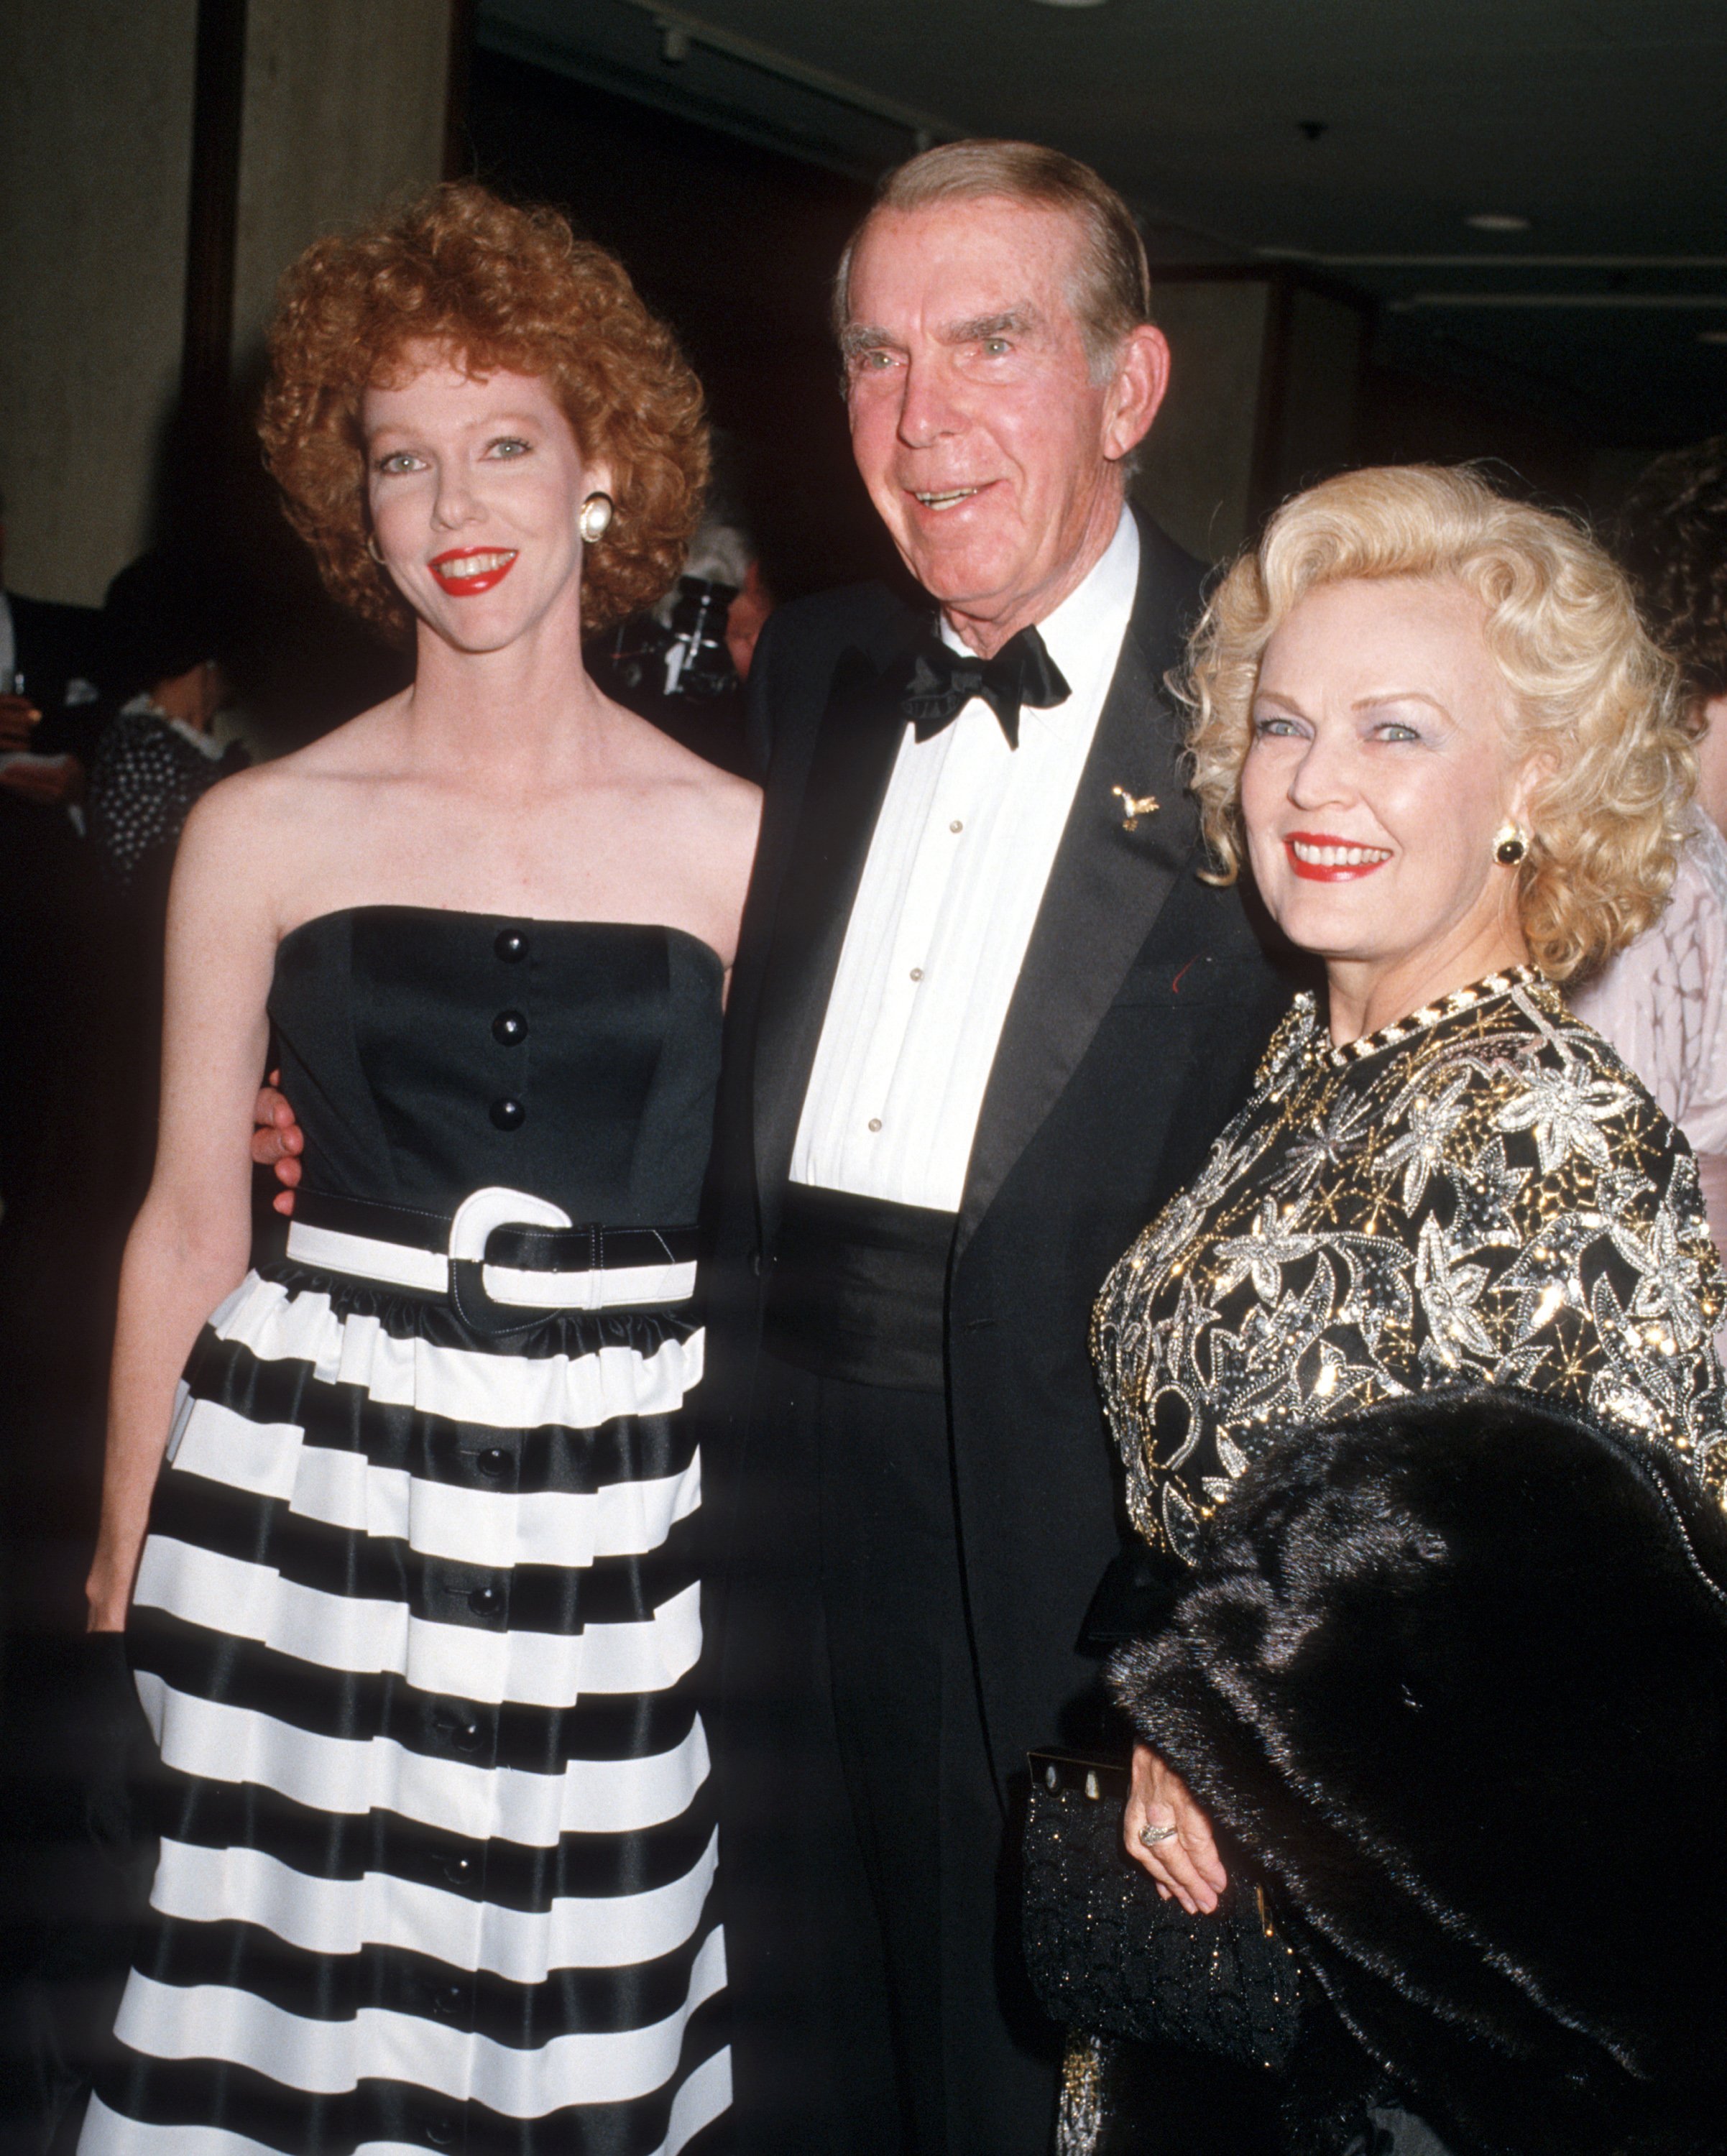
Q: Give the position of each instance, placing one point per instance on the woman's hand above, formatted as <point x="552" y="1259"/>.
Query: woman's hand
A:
<point x="1186" y="1863"/>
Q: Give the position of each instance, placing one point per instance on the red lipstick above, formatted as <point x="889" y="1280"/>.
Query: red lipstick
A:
<point x="460" y="584"/>
<point x="1328" y="857"/>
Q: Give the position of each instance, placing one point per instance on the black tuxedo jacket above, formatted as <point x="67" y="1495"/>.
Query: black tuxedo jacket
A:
<point x="1143" y="1006"/>
<point x="58" y="649"/>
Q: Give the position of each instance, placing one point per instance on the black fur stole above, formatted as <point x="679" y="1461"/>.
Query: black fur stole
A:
<point x="1453" y="1674"/>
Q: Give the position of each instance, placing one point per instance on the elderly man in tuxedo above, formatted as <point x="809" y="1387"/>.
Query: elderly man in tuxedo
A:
<point x="986" y="1016"/>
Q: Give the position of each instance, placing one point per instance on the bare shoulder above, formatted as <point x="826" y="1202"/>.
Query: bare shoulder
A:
<point x="730" y="815"/>
<point x="370" y="746"/>
<point x="249" y="830"/>
<point x="735" y="803"/>
<point x="730" y="807"/>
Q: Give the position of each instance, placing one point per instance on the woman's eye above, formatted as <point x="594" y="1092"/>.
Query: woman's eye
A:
<point x="1274" y="728"/>
<point x="398" y="461"/>
<point x="1394" y="730"/>
<point x="511" y="445"/>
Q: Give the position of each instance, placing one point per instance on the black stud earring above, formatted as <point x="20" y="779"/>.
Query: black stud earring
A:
<point x="1510" y="846"/>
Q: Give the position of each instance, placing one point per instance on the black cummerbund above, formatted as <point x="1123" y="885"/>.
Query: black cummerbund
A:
<point x="857" y="1288"/>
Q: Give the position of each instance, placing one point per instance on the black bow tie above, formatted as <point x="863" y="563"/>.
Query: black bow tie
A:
<point x="933" y="684"/>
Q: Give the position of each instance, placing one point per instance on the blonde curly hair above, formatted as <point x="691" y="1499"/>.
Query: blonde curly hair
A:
<point x="1593" y="696"/>
<point x="497" y="286"/>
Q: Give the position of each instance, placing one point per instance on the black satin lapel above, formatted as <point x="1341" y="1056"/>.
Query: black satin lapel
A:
<point x="853" y="759"/>
<point x="1105" y="890"/>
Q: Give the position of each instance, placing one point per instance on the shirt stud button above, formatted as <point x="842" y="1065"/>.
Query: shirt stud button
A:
<point x="508" y="1115"/>
<point x="956" y="825"/>
<point x="875" y="1122"/>
<point x="509" y="1028"/>
<point x="917" y="973"/>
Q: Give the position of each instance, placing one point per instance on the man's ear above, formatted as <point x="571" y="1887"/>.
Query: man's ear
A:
<point x="1136" y="389"/>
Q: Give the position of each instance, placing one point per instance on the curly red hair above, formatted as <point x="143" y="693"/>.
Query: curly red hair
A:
<point x="502" y="287"/>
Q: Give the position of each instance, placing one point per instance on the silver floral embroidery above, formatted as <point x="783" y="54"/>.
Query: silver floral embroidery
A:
<point x="1421" y="1151"/>
<point x="1449" y="1290"/>
<point x="1566" y="1109"/>
<point x="1482" y="1194"/>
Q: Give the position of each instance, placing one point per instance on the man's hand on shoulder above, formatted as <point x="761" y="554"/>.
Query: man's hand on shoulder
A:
<point x="278" y="1140"/>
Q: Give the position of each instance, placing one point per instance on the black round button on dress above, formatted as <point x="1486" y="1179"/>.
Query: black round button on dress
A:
<point x="509" y="1028"/>
<point x="508" y="1114"/>
<point x="512" y="946"/>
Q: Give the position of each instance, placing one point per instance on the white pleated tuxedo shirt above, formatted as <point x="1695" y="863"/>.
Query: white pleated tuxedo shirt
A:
<point x="955" y="873"/>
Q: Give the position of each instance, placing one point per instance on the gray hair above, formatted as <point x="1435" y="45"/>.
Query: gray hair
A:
<point x="1112" y="294"/>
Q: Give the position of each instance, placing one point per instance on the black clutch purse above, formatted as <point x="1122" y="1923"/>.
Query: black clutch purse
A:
<point x="1109" y="1956"/>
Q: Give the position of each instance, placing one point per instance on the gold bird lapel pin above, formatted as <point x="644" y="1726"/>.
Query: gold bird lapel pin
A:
<point x="1135" y="806"/>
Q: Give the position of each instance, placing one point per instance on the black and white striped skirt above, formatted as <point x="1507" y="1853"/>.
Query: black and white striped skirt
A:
<point x="416" y="1627"/>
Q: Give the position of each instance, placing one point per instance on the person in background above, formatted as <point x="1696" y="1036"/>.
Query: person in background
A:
<point x="50" y="712"/>
<point x="746" y="617"/>
<point x="1662" y="1003"/>
<point x="684" y="663"/>
<point x="52" y="1033"/>
<point x="165" y="617"/>
<point x="48" y="697"/>
<point x="162" y="628"/>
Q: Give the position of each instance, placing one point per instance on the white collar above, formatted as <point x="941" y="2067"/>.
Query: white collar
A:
<point x="1083" y="634"/>
<point x="144" y="705"/>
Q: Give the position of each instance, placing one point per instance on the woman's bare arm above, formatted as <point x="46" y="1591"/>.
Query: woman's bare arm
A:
<point x="190" y="1243"/>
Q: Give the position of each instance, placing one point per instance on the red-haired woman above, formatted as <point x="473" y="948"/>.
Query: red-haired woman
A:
<point x="413" y="1606"/>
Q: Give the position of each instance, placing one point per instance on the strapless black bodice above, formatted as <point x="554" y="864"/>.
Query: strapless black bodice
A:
<point x="429" y="1054"/>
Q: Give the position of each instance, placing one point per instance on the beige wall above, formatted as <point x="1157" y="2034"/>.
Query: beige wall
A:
<point x="95" y="134"/>
<point x="1196" y="469"/>
<point x="344" y="104"/>
<point x="1322" y="377"/>
<point x="1198" y="474"/>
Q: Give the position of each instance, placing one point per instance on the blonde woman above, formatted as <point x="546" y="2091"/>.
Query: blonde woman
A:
<point x="1427" y="720"/>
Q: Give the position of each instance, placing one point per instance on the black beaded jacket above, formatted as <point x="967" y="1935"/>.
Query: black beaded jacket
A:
<point x="1480" y="1194"/>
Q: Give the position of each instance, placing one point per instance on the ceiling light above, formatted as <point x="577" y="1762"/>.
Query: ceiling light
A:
<point x="1497" y="220"/>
